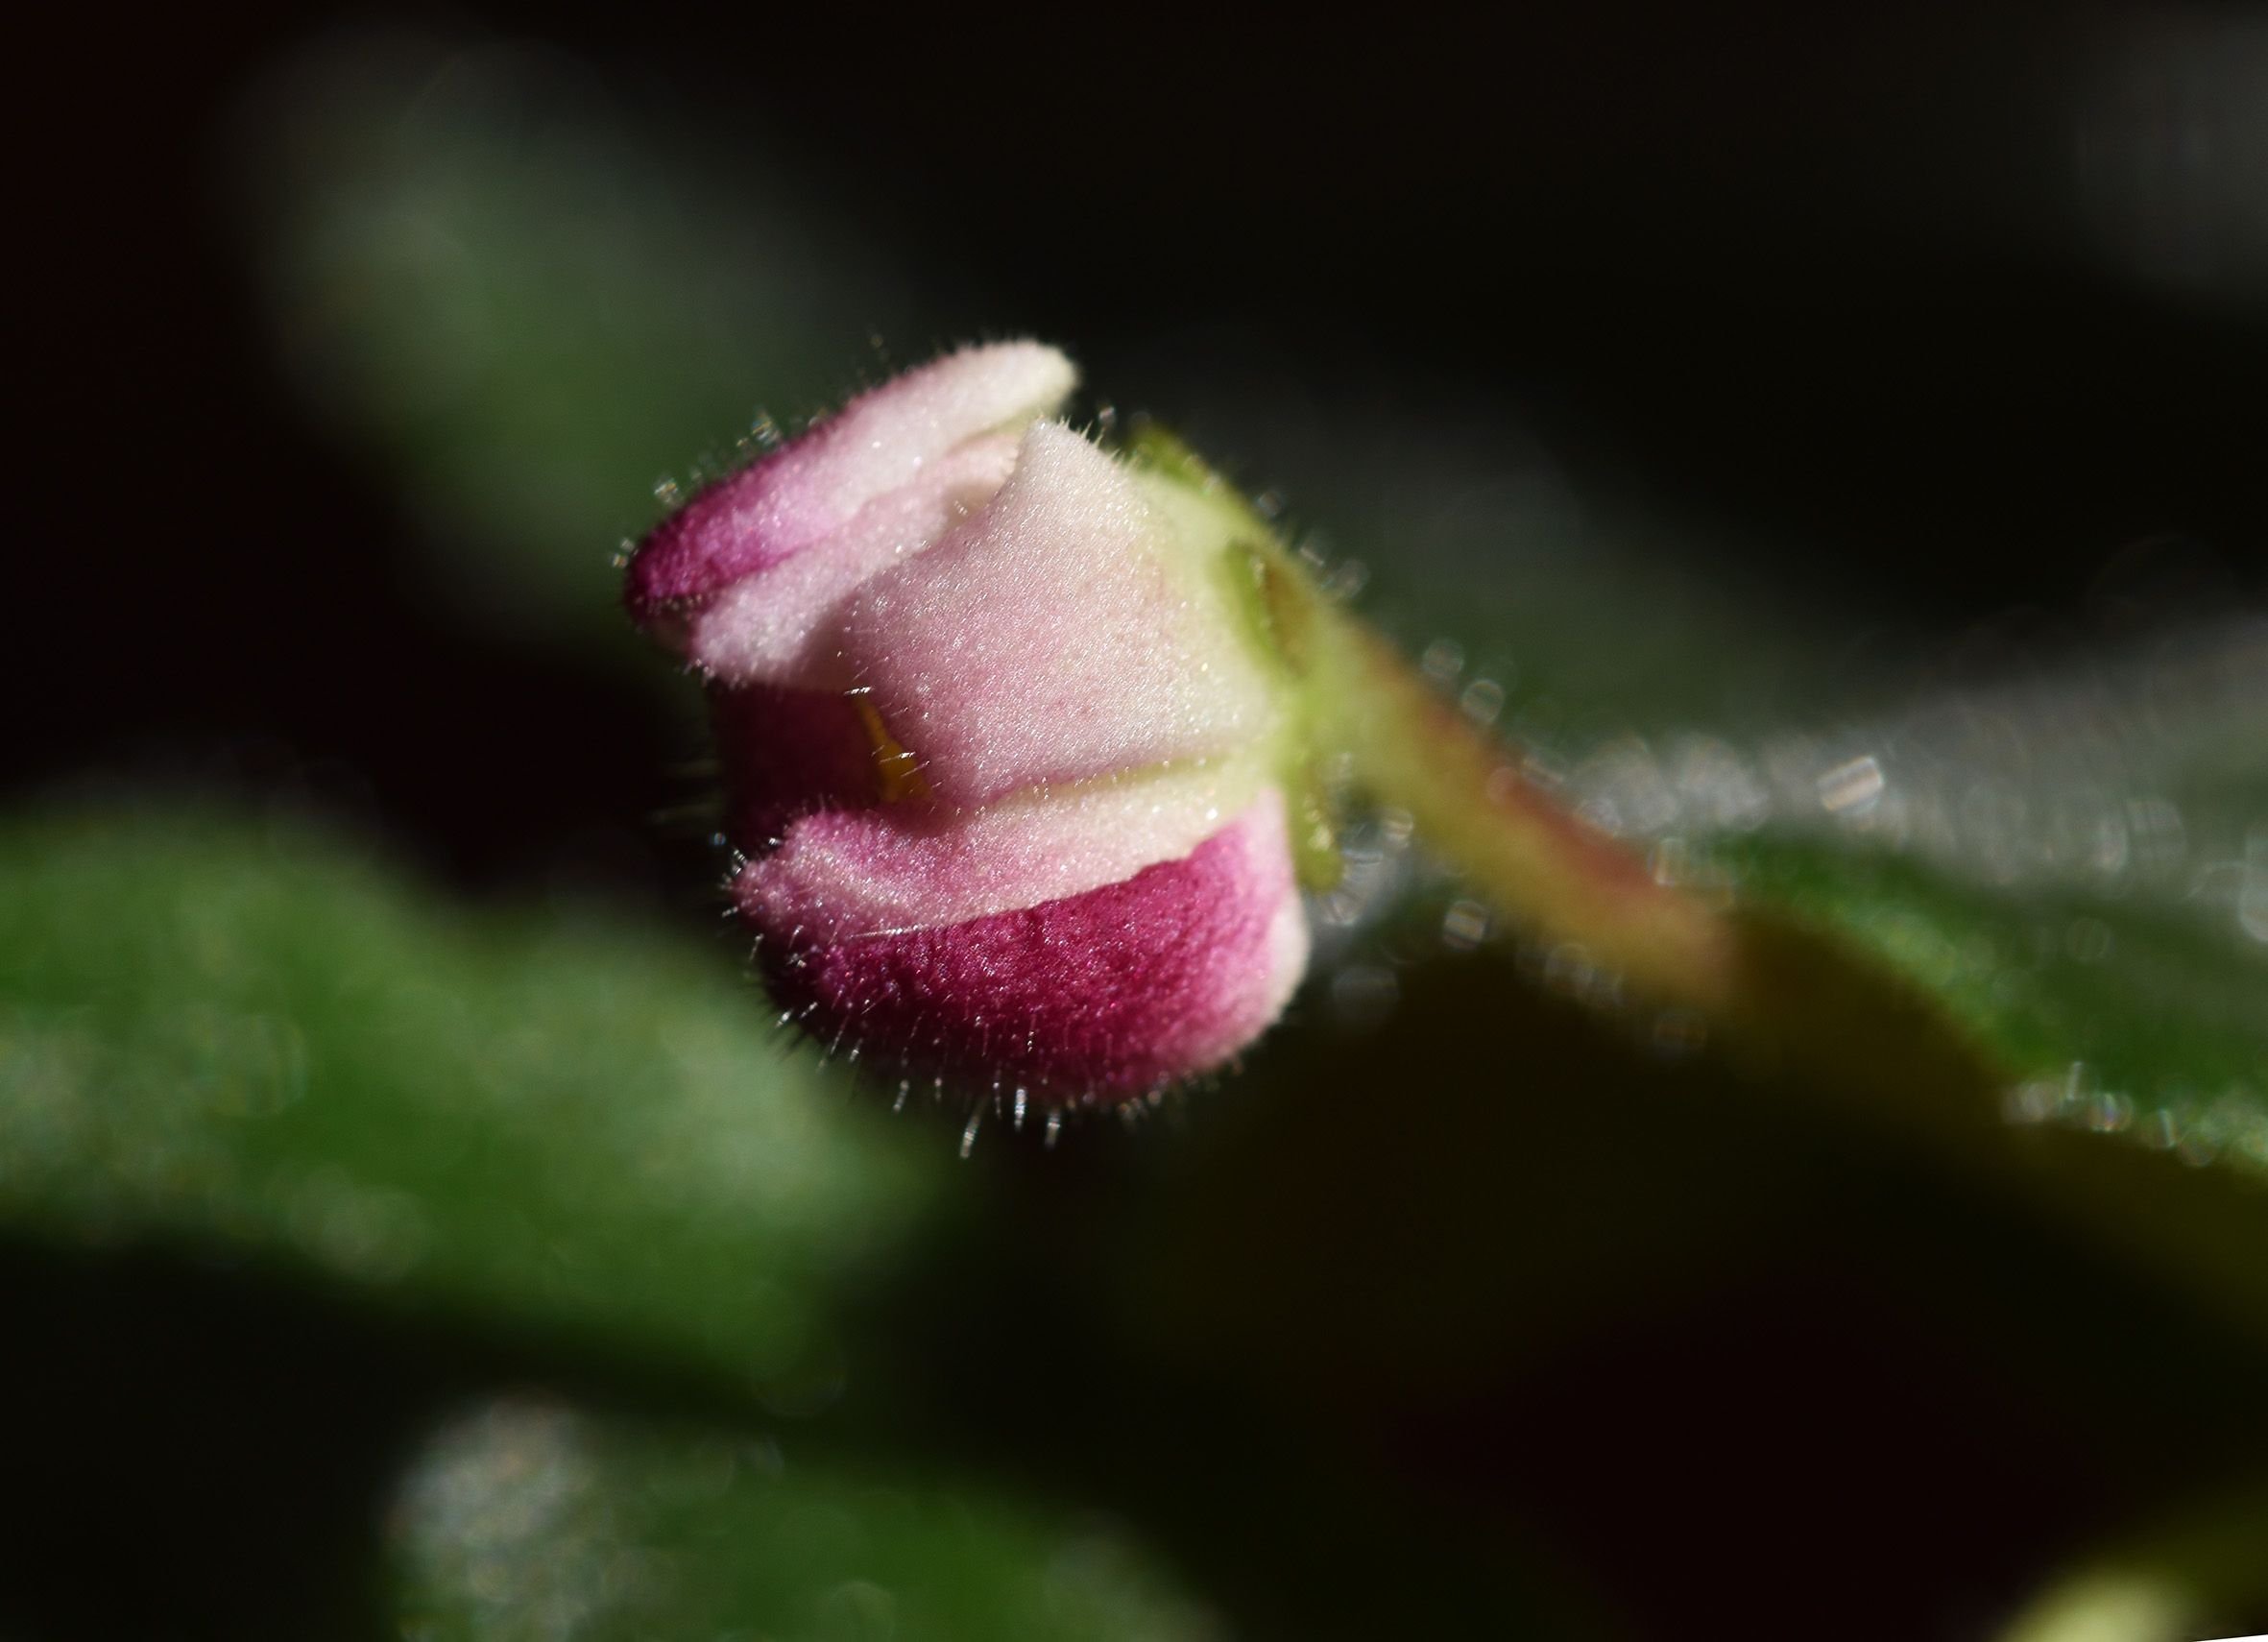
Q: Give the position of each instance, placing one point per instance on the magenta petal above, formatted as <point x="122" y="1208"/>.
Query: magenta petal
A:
<point x="784" y="754"/>
<point x="1064" y="631"/>
<point x="803" y="493"/>
<point x="1100" y="995"/>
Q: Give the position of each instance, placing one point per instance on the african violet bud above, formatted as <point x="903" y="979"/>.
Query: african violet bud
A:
<point x="1001" y="741"/>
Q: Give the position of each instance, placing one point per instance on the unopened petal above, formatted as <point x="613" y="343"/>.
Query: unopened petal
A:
<point x="781" y="623"/>
<point x="1096" y="997"/>
<point x="800" y="495"/>
<point x="855" y="872"/>
<point x="1064" y="631"/>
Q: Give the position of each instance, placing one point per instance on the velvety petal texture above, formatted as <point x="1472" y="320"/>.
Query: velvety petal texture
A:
<point x="844" y="873"/>
<point x="997" y="741"/>
<point x="1110" y="657"/>
<point x="1095" y="996"/>
<point x="785" y="623"/>
<point x="800" y="495"/>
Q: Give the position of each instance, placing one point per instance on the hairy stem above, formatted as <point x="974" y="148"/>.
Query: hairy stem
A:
<point x="1538" y="863"/>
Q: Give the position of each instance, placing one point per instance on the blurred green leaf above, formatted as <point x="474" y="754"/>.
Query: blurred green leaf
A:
<point x="536" y="305"/>
<point x="253" y="1038"/>
<point x="528" y="1520"/>
<point x="1956" y="1023"/>
<point x="2133" y="1020"/>
<point x="2074" y="871"/>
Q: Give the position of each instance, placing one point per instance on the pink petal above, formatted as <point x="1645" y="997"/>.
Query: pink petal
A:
<point x="1064" y="631"/>
<point x="803" y="493"/>
<point x="846" y="873"/>
<point x="1096" y="997"/>
<point x="783" y="623"/>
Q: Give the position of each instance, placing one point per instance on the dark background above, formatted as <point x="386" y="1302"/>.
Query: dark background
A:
<point x="1929" y="310"/>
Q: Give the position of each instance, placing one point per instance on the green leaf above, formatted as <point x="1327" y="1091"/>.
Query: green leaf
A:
<point x="1939" y="1019"/>
<point x="2045" y="917"/>
<point x="528" y="1520"/>
<point x="2143" y="1023"/>
<point x="255" y="1039"/>
<point x="536" y="305"/>
<point x="2075" y="872"/>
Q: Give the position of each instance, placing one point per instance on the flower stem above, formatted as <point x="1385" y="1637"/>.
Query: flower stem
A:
<point x="1540" y="865"/>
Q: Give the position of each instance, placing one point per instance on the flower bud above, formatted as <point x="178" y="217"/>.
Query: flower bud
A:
<point x="1001" y="741"/>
